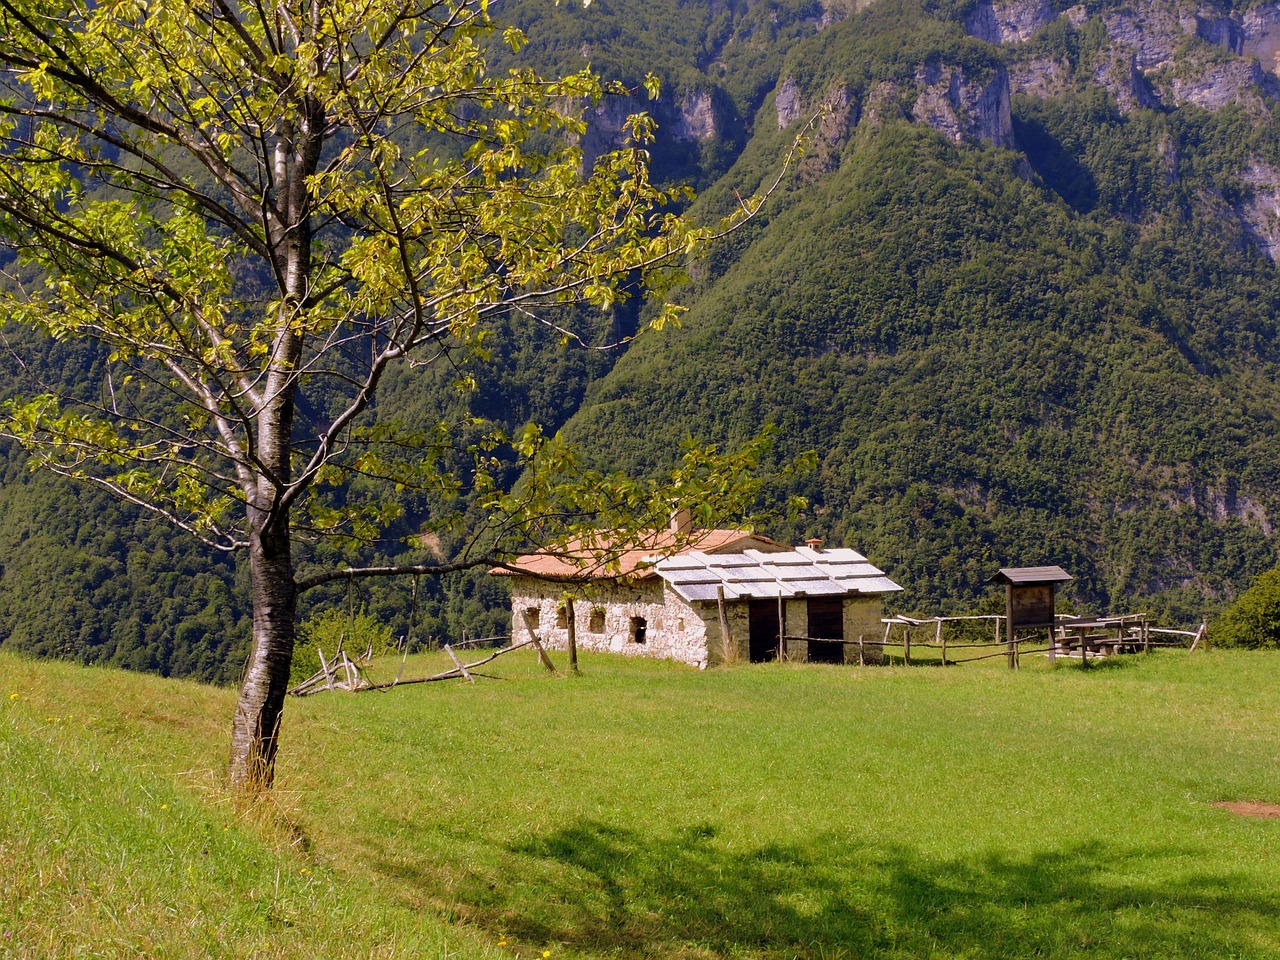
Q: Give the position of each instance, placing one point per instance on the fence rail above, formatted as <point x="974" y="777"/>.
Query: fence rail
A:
<point x="1071" y="637"/>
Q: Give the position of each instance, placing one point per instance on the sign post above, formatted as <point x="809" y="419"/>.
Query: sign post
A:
<point x="1028" y="603"/>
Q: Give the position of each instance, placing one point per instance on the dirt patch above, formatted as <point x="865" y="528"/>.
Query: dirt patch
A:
<point x="1251" y="808"/>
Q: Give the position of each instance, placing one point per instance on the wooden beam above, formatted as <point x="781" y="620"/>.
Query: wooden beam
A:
<point x="1201" y="634"/>
<point x="571" y="623"/>
<point x="533" y="638"/>
<point x="728" y="652"/>
<point x="1012" y="647"/>
<point x="458" y="663"/>
<point x="782" y="628"/>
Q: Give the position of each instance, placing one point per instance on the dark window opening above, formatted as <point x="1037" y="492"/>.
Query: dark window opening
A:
<point x="639" y="629"/>
<point x="562" y="617"/>
<point x="597" y="620"/>
<point x="531" y="614"/>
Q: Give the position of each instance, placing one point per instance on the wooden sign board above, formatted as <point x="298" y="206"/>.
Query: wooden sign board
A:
<point x="1031" y="604"/>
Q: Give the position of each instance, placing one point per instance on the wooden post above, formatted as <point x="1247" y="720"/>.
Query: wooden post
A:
<point x="403" y="660"/>
<point x="328" y="674"/>
<point x="1201" y="634"/>
<point x="782" y="629"/>
<point x="458" y="663"/>
<point x="537" y="644"/>
<point x="906" y="645"/>
<point x="571" y="625"/>
<point x="941" y="638"/>
<point x="542" y="654"/>
<point x="1053" y="643"/>
<point x="728" y="652"/>
<point x="1008" y="615"/>
<point x="1146" y="636"/>
<point x="862" y="660"/>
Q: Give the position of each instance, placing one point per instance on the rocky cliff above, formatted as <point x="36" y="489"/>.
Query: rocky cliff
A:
<point x="1147" y="55"/>
<point x="964" y="107"/>
<point x="1158" y="56"/>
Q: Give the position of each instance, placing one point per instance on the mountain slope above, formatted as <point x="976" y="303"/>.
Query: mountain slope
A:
<point x="1020" y="296"/>
<point x="1012" y="332"/>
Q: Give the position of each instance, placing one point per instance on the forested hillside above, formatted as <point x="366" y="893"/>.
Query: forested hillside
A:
<point x="1019" y="296"/>
<point x="1022" y="315"/>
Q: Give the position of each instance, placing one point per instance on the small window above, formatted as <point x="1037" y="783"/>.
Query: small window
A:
<point x="597" y="620"/>
<point x="531" y="613"/>
<point x="638" y="629"/>
<point x="562" y="617"/>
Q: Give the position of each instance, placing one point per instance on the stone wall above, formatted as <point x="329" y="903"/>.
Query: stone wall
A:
<point x="739" y="631"/>
<point x="605" y="616"/>
<point x="674" y="629"/>
<point x="862" y="619"/>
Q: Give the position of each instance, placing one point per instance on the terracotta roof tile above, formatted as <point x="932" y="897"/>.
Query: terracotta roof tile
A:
<point x="593" y="562"/>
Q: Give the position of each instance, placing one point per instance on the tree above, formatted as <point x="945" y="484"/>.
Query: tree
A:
<point x="249" y="205"/>
<point x="1253" y="621"/>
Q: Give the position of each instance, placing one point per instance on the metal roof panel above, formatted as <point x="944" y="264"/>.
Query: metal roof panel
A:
<point x="698" y="591"/>
<point x="818" y="588"/>
<point x="877" y="585"/>
<point x="839" y="555"/>
<point x="1019" y="575"/>
<point x="756" y="573"/>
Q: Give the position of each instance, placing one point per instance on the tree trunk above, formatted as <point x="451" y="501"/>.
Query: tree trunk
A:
<point x="255" y="728"/>
<point x="571" y="621"/>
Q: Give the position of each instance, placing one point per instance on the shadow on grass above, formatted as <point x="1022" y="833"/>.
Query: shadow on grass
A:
<point x="610" y="890"/>
<point x="1121" y="662"/>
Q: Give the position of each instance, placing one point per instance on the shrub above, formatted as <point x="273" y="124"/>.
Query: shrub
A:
<point x="1253" y="621"/>
<point x="331" y="628"/>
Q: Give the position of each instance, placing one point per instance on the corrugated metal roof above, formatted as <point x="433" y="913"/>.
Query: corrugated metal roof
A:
<point x="756" y="574"/>
<point x="1031" y="575"/>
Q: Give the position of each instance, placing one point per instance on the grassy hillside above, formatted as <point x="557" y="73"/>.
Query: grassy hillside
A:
<point x="648" y="810"/>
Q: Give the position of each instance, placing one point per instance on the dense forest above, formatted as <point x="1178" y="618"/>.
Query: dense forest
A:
<point x="1019" y="300"/>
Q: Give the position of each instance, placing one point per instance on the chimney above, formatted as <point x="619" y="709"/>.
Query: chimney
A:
<point x="682" y="521"/>
<point x="814" y="543"/>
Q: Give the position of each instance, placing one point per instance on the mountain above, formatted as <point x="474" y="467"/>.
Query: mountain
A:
<point x="1019" y="295"/>
<point x="1022" y="301"/>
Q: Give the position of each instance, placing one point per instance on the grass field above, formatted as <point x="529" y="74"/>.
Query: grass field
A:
<point x="647" y="810"/>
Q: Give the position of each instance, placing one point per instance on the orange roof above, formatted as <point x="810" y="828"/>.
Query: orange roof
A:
<point x="597" y="561"/>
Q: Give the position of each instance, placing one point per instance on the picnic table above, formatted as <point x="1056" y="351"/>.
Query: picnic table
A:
<point x="1100" y="636"/>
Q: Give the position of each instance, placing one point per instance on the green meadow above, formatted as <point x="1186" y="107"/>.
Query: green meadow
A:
<point x="647" y="810"/>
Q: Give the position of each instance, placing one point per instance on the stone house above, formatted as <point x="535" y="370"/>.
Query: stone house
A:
<point x="724" y="593"/>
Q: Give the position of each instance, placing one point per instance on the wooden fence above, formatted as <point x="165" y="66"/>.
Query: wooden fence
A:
<point x="1074" y="637"/>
